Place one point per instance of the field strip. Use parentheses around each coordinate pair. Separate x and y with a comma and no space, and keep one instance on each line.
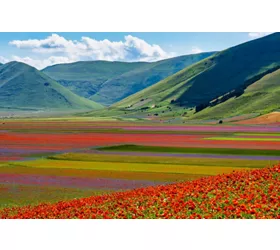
(241,139)
(189,150)
(135,157)
(34,195)
(90,173)
(257,134)
(193,156)
(133,167)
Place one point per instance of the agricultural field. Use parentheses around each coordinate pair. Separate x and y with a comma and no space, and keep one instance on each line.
(56,160)
(243,194)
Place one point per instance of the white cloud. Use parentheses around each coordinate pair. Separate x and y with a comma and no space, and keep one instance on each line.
(131,49)
(3,60)
(40,64)
(196,50)
(254,35)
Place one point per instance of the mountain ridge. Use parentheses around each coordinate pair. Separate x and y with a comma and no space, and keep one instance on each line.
(207,79)
(113,85)
(23,86)
(263,96)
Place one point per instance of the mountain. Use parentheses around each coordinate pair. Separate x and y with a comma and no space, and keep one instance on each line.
(24,87)
(225,74)
(86,78)
(263,96)
(135,80)
(109,82)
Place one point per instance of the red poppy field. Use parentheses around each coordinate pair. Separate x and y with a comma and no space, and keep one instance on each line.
(146,170)
(243,194)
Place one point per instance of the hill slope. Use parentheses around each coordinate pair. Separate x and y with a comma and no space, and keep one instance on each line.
(22,86)
(263,96)
(135,80)
(86,78)
(109,82)
(272,118)
(210,78)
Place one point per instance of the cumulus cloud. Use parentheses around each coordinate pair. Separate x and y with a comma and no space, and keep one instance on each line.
(254,35)
(196,50)
(131,49)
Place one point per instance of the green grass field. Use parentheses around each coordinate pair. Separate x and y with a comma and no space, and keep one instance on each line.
(241,139)
(257,134)
(219,151)
(173,160)
(21,195)
(133,167)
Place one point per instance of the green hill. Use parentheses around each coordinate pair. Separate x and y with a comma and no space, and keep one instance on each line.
(230,70)
(86,78)
(109,82)
(135,80)
(24,87)
(263,96)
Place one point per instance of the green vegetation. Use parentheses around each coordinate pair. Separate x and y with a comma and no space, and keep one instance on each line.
(86,78)
(220,138)
(93,173)
(21,195)
(212,78)
(256,134)
(219,151)
(194,169)
(262,96)
(24,87)
(242,81)
(162,160)
(109,82)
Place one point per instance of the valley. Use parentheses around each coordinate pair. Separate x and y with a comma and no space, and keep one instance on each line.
(191,136)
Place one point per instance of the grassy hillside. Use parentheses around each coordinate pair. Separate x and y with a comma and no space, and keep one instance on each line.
(210,78)
(86,78)
(22,86)
(109,82)
(262,97)
(135,80)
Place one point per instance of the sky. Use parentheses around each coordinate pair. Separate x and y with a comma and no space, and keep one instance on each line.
(45,49)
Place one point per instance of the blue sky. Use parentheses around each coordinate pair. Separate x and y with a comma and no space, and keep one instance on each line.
(45,49)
